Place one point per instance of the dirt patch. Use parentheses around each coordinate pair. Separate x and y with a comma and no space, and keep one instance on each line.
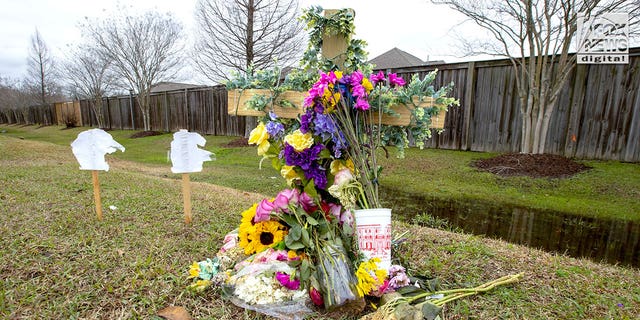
(143,134)
(237,143)
(531,165)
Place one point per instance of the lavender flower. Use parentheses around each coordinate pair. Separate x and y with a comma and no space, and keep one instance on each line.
(275,129)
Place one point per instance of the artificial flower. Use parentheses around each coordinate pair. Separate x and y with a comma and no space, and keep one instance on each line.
(377,77)
(338,165)
(275,129)
(263,147)
(289,174)
(299,141)
(258,134)
(394,80)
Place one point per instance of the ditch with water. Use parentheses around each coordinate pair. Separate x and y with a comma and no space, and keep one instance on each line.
(608,240)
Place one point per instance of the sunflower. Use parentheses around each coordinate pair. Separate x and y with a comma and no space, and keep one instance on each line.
(247,228)
(267,234)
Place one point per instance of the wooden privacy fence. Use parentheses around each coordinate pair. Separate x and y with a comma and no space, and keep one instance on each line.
(200,109)
(597,116)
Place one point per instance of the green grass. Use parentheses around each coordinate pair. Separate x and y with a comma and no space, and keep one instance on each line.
(60,262)
(610,189)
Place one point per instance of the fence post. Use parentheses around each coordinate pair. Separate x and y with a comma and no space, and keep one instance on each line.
(133,122)
(468,105)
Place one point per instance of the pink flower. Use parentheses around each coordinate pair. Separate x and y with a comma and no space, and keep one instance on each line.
(375,78)
(230,242)
(356,78)
(316,297)
(282,200)
(347,217)
(382,289)
(343,176)
(362,104)
(307,202)
(264,210)
(398,278)
(285,281)
(335,209)
(395,80)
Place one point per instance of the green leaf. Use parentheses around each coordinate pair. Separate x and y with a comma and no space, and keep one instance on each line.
(312,221)
(305,270)
(293,244)
(430,311)
(310,189)
(289,220)
(305,238)
(295,232)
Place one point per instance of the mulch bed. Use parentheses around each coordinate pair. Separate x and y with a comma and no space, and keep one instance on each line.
(237,143)
(143,134)
(531,165)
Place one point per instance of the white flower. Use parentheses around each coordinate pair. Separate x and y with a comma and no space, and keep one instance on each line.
(113,208)
(261,289)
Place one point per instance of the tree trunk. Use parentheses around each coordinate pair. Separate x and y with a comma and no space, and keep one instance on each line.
(97,109)
(143,102)
(249,38)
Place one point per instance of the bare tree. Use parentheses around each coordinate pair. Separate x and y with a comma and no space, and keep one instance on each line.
(234,35)
(536,36)
(143,50)
(41,69)
(89,76)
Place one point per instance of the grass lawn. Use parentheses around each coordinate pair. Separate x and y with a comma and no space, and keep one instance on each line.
(611,189)
(59,262)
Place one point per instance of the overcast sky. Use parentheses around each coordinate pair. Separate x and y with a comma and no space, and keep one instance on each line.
(416,26)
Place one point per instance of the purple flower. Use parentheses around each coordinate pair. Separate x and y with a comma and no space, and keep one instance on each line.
(306,120)
(301,159)
(275,129)
(324,126)
(317,173)
(340,144)
(395,80)
(375,78)
(285,281)
(398,277)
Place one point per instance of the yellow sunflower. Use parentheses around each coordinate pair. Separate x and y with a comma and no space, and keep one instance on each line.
(267,234)
(246,229)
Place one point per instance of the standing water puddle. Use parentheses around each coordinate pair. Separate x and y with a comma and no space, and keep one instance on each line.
(612,241)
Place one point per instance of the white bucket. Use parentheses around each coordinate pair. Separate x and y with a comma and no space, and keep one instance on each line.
(373,227)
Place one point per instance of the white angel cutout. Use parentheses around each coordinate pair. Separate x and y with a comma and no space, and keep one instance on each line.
(186,157)
(90,148)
